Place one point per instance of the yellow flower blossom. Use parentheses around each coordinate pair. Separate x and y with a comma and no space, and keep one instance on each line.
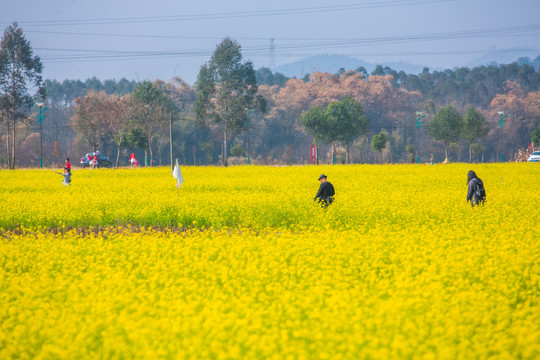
(240,264)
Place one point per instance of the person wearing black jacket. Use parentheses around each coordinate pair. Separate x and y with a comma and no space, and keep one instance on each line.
(326,192)
(472,181)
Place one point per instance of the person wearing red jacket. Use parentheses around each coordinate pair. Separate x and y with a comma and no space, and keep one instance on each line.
(133,160)
(68,166)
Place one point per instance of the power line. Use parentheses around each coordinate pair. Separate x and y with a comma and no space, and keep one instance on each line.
(136,36)
(312,44)
(228,15)
(127,57)
(520,30)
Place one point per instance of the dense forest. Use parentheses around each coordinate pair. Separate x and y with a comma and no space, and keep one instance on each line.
(391,102)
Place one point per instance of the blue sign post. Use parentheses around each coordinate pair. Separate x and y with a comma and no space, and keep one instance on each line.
(40,118)
(419,123)
(247,134)
(501,123)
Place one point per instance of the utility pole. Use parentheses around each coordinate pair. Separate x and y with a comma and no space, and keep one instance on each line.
(40,118)
(419,116)
(170,140)
(247,135)
(501,123)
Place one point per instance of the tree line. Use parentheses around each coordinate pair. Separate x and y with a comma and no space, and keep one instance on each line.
(257,115)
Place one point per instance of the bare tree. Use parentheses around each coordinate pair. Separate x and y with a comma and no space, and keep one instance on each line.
(119,115)
(90,118)
(151,112)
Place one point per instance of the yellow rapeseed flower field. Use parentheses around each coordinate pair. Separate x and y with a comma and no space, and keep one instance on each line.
(240,263)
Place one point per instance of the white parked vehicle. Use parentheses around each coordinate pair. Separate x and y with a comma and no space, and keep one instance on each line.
(535,156)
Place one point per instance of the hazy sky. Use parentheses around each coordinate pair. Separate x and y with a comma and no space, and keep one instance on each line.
(147,40)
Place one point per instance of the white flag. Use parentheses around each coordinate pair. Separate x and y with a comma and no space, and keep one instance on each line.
(178,175)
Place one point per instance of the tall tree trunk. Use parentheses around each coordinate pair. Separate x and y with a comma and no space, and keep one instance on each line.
(470,153)
(8,147)
(13,142)
(348,158)
(117,155)
(225,145)
(225,133)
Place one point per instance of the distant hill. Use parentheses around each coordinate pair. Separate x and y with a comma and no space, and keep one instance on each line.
(332,64)
(506,56)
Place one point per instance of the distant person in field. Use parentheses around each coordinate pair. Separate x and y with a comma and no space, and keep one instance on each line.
(95,161)
(67,176)
(133,160)
(68,165)
(326,192)
(476,193)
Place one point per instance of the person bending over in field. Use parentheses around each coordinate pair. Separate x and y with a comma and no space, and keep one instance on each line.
(476,193)
(67,176)
(326,192)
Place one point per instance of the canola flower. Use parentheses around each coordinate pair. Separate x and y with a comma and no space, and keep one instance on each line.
(241,264)
(259,197)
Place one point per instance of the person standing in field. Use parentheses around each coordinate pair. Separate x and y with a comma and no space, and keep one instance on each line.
(133,160)
(95,161)
(476,193)
(68,165)
(67,177)
(326,192)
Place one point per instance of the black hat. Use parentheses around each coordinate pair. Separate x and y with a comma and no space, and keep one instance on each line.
(322,176)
